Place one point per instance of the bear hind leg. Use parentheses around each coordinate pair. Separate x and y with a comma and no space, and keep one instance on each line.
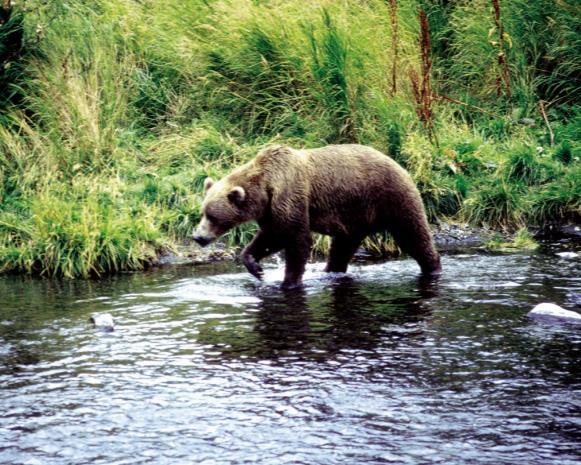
(342,250)
(417,243)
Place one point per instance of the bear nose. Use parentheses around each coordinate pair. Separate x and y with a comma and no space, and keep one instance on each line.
(203,241)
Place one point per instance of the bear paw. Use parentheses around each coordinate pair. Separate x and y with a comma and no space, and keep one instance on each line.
(253,267)
(289,285)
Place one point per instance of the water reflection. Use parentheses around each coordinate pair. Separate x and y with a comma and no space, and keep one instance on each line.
(335,313)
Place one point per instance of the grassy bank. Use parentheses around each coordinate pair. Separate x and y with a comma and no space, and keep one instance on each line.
(112,112)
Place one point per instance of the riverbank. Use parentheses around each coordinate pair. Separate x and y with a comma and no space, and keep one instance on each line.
(449,238)
(113,112)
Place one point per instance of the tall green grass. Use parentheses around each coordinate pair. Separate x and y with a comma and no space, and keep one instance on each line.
(113,112)
(60,235)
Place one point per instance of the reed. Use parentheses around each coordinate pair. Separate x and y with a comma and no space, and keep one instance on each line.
(503,78)
(421,83)
(392,9)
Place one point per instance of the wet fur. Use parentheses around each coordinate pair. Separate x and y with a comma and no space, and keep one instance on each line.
(345,191)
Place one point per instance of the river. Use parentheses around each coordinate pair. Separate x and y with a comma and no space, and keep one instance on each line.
(208,366)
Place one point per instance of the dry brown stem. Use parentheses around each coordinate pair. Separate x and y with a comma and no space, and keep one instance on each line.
(546,119)
(392,5)
(504,76)
(421,85)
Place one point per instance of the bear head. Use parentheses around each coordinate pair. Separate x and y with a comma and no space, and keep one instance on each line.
(225,206)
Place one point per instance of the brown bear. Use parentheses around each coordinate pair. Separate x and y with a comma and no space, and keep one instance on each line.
(344,191)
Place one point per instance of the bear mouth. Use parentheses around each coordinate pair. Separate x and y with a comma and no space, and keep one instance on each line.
(201,240)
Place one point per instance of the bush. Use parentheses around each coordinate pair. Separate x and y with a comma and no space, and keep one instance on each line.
(497,205)
(523,166)
(564,152)
(558,200)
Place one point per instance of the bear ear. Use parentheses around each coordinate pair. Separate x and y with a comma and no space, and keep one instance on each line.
(208,182)
(237,195)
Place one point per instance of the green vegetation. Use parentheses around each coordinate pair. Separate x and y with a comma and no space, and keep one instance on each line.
(112,112)
(522,240)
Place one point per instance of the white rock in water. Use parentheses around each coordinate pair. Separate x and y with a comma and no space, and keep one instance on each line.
(102,321)
(568,254)
(553,312)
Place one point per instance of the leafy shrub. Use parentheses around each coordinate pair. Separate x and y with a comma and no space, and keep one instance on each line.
(558,200)
(564,152)
(498,205)
(523,166)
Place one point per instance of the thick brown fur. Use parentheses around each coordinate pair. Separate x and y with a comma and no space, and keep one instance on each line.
(345,191)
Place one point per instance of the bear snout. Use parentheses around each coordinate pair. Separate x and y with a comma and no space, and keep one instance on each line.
(204,233)
(202,240)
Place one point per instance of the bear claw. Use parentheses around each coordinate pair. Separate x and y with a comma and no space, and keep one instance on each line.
(253,268)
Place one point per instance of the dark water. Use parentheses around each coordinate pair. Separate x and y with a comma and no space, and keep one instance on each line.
(208,367)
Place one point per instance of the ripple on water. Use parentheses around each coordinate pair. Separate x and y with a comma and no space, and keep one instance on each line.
(374,366)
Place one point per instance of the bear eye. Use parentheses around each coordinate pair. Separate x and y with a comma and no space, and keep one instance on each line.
(211,218)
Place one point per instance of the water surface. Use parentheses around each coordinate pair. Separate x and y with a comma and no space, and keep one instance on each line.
(208,366)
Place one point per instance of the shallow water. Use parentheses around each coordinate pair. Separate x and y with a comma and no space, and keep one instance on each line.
(208,366)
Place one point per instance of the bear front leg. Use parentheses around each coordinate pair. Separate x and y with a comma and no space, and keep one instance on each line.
(296,257)
(342,250)
(262,245)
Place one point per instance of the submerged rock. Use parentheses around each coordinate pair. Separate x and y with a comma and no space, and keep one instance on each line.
(554,313)
(103,322)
